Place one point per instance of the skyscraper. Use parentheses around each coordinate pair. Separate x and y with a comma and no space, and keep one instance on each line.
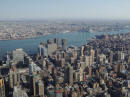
(18,92)
(42,50)
(90,71)
(11,79)
(56,41)
(41,88)
(63,44)
(102,59)
(33,79)
(68,75)
(92,52)
(49,41)
(33,68)
(87,60)
(51,48)
(121,55)
(111,57)
(18,55)
(82,50)
(2,87)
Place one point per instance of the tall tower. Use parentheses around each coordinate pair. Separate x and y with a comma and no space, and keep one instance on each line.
(11,79)
(92,52)
(42,49)
(7,59)
(69,75)
(41,88)
(2,87)
(33,84)
(111,57)
(90,72)
(82,50)
(49,41)
(87,60)
(18,55)
(56,41)
(63,44)
(43,63)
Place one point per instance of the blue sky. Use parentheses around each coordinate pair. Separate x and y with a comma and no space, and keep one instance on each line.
(89,9)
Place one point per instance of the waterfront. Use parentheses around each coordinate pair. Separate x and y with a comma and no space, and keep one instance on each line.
(30,45)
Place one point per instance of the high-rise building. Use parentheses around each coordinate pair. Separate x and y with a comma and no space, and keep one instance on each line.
(33,68)
(68,75)
(102,59)
(122,68)
(82,50)
(128,60)
(33,87)
(92,54)
(18,55)
(48,49)
(2,87)
(116,68)
(56,42)
(49,41)
(11,79)
(111,57)
(81,74)
(62,62)
(43,63)
(51,48)
(42,50)
(76,76)
(88,61)
(8,59)
(15,78)
(50,91)
(90,72)
(58,91)
(18,92)
(121,55)
(63,44)
(40,88)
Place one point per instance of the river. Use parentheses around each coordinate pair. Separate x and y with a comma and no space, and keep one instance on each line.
(30,46)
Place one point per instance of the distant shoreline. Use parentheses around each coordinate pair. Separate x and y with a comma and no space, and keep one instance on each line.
(25,38)
(35,37)
(38,36)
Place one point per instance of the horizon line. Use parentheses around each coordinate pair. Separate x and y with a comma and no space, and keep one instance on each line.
(37,19)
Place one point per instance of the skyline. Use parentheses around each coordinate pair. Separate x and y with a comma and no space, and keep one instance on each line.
(65,9)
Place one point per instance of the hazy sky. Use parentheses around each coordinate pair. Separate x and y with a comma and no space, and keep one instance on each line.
(89,9)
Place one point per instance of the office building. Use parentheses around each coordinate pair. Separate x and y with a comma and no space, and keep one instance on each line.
(33,68)
(11,79)
(51,48)
(40,88)
(68,77)
(92,54)
(63,44)
(56,42)
(18,55)
(18,92)
(42,50)
(2,87)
